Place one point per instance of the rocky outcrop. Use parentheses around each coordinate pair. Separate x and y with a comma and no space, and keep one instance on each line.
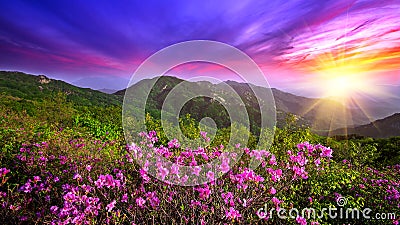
(43,79)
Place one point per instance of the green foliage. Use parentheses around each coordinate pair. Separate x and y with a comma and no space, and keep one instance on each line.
(359,153)
(388,150)
(56,110)
(289,136)
(154,124)
(189,127)
(97,128)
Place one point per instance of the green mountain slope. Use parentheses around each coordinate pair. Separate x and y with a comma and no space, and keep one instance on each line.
(30,87)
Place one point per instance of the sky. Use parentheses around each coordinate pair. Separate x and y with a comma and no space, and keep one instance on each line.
(310,47)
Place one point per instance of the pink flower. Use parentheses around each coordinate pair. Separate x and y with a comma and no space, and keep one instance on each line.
(272,160)
(194,203)
(193,162)
(210,175)
(78,177)
(196,170)
(275,174)
(88,168)
(204,193)
(258,178)
(276,202)
(300,171)
(53,209)
(257,154)
(70,197)
(232,213)
(26,187)
(300,220)
(140,202)
(111,206)
(224,167)
(3,171)
(152,136)
(300,159)
(173,144)
(272,191)
(175,169)
(228,196)
(302,145)
(326,152)
(143,174)
(317,162)
(37,179)
(163,172)
(203,134)
(153,199)
(184,179)
(124,198)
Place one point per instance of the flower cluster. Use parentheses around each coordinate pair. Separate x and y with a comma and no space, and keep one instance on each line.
(100,182)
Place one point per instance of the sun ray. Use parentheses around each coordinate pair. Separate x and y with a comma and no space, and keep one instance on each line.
(366,113)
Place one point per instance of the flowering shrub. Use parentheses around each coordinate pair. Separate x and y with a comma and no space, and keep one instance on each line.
(73,180)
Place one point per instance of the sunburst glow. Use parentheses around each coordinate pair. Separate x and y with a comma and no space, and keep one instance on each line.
(342,82)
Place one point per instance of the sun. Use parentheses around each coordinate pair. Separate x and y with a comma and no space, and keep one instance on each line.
(342,82)
(341,87)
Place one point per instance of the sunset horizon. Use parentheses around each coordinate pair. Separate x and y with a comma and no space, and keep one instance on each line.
(300,48)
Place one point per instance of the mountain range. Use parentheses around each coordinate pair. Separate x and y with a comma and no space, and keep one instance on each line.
(320,114)
(324,116)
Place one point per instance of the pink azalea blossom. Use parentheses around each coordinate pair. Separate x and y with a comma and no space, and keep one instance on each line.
(326,152)
(88,167)
(140,202)
(111,206)
(300,220)
(163,172)
(196,170)
(210,175)
(224,167)
(232,213)
(175,169)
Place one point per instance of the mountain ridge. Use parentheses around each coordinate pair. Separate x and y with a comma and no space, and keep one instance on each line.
(381,128)
(313,112)
(319,114)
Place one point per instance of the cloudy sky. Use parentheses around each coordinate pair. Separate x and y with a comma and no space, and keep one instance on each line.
(302,45)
